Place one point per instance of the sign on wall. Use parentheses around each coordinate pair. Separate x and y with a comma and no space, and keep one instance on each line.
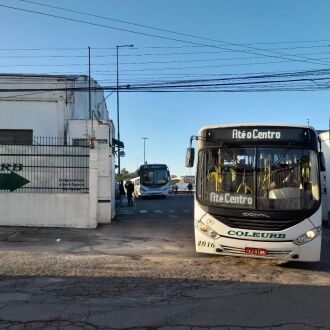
(44,169)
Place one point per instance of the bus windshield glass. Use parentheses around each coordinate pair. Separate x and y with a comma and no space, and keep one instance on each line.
(154,176)
(258,178)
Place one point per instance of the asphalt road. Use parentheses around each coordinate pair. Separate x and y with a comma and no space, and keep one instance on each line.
(141,272)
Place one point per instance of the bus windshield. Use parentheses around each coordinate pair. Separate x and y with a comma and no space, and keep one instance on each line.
(258,178)
(154,177)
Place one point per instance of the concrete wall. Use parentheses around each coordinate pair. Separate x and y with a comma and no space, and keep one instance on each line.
(101,180)
(102,159)
(78,210)
(46,210)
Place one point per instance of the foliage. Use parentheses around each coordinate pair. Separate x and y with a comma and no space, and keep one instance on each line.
(127,175)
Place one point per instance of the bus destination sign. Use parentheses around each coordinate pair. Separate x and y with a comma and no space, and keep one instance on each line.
(256,134)
(154,167)
(231,199)
(259,134)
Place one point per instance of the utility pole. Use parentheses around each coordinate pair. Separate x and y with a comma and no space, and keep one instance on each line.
(89,84)
(144,149)
(118,129)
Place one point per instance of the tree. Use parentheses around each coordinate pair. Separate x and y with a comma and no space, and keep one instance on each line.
(127,175)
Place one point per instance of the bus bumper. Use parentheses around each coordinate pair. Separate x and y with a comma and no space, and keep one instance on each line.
(280,250)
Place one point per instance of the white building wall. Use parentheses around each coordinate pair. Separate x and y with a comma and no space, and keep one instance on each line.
(46,210)
(98,130)
(81,104)
(104,184)
(47,113)
(30,114)
(102,159)
(55,114)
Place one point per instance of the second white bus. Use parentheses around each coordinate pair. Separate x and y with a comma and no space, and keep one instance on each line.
(153,180)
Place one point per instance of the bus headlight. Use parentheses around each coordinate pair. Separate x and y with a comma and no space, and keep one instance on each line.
(308,236)
(207,230)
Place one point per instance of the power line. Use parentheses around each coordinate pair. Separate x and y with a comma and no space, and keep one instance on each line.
(242,44)
(161,30)
(310,75)
(163,47)
(101,25)
(38,49)
(195,67)
(19,95)
(165,30)
(250,82)
(152,54)
(47,56)
(278,55)
(143,63)
(111,73)
(147,75)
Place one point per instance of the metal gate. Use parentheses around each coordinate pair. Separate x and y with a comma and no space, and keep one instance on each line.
(49,165)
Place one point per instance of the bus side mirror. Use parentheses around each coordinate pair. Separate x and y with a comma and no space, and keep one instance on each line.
(190,157)
(322,162)
(138,172)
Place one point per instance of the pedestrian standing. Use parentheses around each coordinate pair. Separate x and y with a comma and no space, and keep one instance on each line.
(122,193)
(176,189)
(189,187)
(130,189)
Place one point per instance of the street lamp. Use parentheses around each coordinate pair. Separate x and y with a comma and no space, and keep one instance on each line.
(118,132)
(144,149)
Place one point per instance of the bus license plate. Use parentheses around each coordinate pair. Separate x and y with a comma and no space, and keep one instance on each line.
(259,252)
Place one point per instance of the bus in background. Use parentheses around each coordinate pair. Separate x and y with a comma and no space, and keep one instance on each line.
(154,180)
(258,191)
(136,182)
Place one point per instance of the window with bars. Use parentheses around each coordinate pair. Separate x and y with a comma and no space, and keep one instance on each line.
(16,136)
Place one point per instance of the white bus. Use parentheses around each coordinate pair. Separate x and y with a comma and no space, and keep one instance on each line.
(136,183)
(258,191)
(153,180)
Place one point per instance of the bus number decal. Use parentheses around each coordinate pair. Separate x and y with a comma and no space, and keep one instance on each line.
(206,244)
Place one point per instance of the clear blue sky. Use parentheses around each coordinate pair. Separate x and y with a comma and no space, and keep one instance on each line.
(293,30)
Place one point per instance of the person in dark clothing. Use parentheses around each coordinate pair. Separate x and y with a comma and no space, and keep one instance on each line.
(190,187)
(129,189)
(122,193)
(176,188)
